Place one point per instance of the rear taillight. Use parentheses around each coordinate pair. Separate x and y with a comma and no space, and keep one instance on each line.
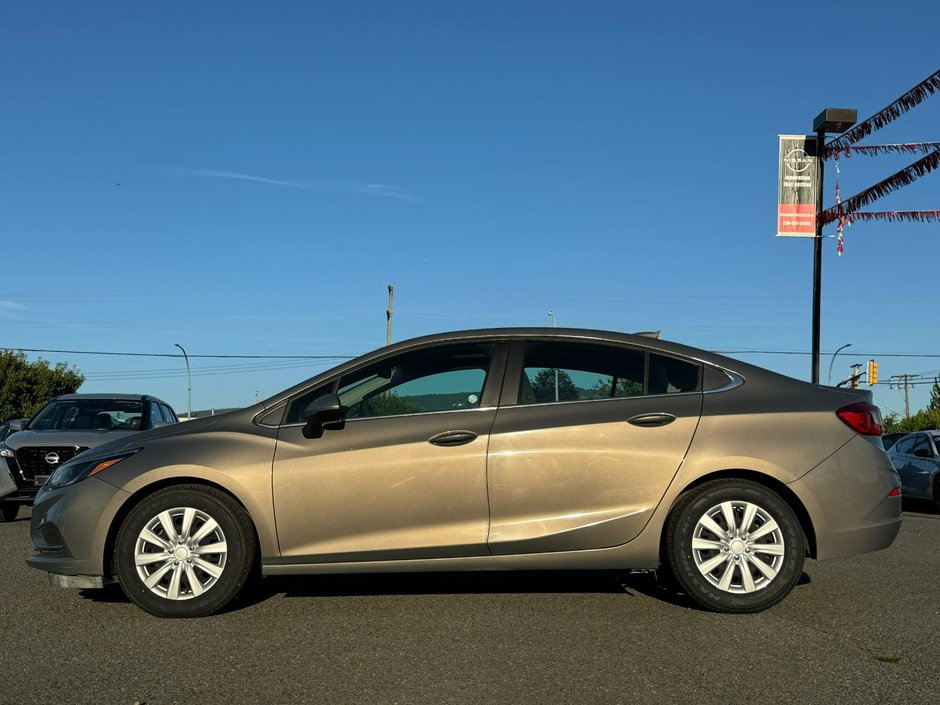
(862,418)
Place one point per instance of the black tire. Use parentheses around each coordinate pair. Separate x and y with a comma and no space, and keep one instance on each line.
(200,574)
(8,511)
(728,573)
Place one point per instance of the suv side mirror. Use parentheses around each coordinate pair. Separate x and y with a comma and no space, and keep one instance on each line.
(18,425)
(323,413)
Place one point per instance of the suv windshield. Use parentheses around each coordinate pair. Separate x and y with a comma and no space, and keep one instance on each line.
(85,414)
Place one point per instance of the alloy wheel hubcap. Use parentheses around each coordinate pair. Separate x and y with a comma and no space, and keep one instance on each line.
(180,553)
(738,547)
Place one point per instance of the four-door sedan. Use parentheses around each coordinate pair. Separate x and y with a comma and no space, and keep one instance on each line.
(917,459)
(486,450)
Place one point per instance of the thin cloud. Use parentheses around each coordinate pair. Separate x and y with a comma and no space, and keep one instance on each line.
(381,190)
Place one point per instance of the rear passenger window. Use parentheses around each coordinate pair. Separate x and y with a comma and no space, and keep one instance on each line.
(556,372)
(670,376)
(564,372)
(714,379)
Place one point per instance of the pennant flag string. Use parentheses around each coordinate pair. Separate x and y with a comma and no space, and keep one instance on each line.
(902,178)
(914,97)
(881,149)
(893,216)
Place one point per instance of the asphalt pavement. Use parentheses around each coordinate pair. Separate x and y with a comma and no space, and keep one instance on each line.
(855,630)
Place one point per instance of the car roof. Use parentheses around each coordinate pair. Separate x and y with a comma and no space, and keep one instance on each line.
(110,397)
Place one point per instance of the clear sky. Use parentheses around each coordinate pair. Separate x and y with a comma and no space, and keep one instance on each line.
(247,178)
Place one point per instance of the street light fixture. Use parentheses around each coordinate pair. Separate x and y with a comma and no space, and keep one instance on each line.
(189,376)
(829,382)
(830,120)
(555,325)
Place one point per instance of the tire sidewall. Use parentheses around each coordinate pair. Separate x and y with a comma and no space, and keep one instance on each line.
(682,562)
(239,556)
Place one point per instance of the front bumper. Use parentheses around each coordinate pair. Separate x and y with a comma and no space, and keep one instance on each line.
(70,526)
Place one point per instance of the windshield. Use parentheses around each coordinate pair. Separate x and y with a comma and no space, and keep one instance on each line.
(88,414)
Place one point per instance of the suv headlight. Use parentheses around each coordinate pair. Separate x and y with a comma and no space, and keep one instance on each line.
(6,451)
(76,470)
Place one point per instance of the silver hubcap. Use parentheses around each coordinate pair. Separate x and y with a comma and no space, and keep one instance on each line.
(738,547)
(180,553)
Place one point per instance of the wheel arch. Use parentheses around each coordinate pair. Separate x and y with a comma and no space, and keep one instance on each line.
(142,494)
(771,483)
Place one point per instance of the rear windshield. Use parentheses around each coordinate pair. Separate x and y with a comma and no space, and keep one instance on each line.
(88,414)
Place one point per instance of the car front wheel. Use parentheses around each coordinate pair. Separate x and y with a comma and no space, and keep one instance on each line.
(185,551)
(735,546)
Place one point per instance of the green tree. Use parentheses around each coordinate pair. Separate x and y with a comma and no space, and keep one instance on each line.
(25,386)
(924,420)
(935,395)
(544,385)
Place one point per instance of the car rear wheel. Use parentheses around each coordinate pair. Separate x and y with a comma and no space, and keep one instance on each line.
(185,551)
(735,546)
(8,511)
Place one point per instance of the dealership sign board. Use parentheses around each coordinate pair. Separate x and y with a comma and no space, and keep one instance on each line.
(796,199)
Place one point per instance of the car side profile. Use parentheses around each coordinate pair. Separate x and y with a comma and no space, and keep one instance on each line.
(916,457)
(499,449)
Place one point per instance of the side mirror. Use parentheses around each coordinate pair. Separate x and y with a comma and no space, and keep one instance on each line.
(18,425)
(323,413)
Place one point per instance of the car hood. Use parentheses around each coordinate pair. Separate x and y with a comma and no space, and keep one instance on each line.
(86,439)
(141,438)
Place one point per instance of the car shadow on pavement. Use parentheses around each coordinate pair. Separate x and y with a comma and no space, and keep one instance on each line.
(631,584)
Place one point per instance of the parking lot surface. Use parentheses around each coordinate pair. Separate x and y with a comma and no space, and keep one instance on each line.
(856,630)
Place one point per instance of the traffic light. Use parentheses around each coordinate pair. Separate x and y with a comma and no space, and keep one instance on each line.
(856,374)
(872,373)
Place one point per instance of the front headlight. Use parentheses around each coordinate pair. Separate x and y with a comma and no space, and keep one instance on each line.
(75,470)
(6,451)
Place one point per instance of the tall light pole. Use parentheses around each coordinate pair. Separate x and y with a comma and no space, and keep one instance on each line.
(189,376)
(830,120)
(555,325)
(829,382)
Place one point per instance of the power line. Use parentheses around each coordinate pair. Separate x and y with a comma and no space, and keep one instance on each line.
(176,355)
(350,357)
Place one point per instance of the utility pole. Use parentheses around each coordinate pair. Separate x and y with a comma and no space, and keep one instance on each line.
(905,381)
(388,314)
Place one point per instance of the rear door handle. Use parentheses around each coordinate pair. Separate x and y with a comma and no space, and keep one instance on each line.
(647,420)
(452,438)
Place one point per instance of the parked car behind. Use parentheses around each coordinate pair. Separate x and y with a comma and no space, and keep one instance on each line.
(67,426)
(917,459)
(11,426)
(485,450)
(889,439)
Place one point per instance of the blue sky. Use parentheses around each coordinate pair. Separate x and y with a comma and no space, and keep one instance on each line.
(247,178)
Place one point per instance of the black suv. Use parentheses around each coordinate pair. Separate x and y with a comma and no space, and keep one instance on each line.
(65,427)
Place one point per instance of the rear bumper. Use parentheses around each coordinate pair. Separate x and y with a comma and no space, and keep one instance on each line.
(847,498)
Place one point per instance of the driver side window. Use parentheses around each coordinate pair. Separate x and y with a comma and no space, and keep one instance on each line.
(442,379)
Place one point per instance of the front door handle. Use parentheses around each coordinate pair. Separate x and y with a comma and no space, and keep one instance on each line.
(648,420)
(452,438)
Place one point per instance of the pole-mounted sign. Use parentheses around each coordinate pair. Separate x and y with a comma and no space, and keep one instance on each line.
(796,199)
